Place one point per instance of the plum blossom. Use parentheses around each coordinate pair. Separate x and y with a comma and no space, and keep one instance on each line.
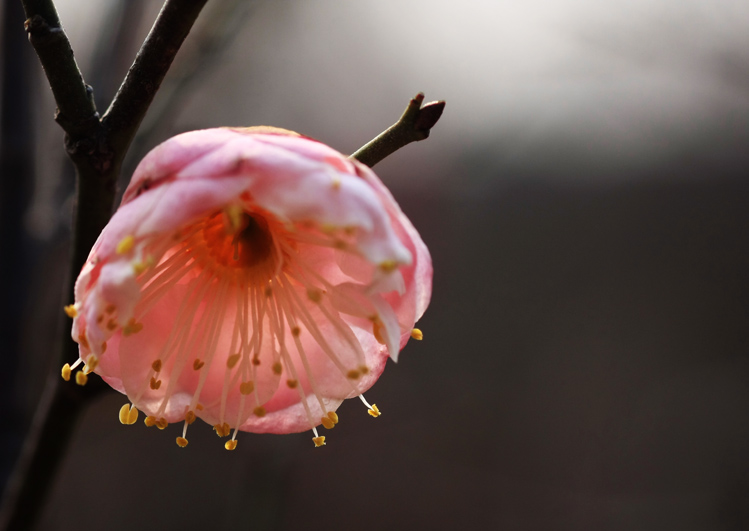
(253,278)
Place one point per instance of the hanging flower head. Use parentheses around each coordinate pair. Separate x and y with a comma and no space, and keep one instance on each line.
(253,278)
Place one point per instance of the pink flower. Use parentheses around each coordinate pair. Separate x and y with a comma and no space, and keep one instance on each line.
(252,278)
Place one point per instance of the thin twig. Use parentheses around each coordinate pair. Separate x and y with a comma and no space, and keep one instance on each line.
(414,125)
(145,76)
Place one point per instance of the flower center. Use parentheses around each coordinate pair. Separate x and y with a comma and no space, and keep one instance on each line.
(240,240)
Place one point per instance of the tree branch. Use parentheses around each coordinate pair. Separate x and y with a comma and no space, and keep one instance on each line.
(96,147)
(76,112)
(414,125)
(145,76)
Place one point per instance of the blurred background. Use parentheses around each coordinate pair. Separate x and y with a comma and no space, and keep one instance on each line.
(586,354)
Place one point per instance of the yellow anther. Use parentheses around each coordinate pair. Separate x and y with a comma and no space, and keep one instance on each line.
(83,341)
(162,423)
(340,244)
(388,266)
(291,384)
(81,378)
(139,267)
(319,441)
(378,329)
(374,411)
(268,291)
(232,360)
(70,311)
(197,364)
(110,308)
(181,442)
(417,334)
(66,372)
(199,407)
(156,366)
(256,361)
(128,414)
(132,327)
(364,369)
(222,430)
(315,295)
(100,318)
(155,384)
(149,421)
(111,324)
(327,422)
(259,411)
(246,388)
(277,368)
(296,331)
(231,444)
(125,245)
(335,183)
(332,415)
(233,218)
(190,417)
(91,363)
(103,347)
(353,374)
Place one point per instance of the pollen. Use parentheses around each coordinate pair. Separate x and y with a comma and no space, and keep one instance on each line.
(291,384)
(128,414)
(231,444)
(332,415)
(66,370)
(222,430)
(315,295)
(81,378)
(277,368)
(232,360)
(259,411)
(162,423)
(377,330)
(388,266)
(71,311)
(296,331)
(197,364)
(374,411)
(327,422)
(246,388)
(149,421)
(132,327)
(181,442)
(353,375)
(125,245)
(155,384)
(319,441)
(417,334)
(190,417)
(156,366)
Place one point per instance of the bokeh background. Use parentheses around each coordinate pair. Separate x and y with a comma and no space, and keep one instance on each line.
(586,354)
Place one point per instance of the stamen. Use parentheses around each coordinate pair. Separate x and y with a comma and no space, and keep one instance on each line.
(66,370)
(190,417)
(388,266)
(125,244)
(231,444)
(373,410)
(181,442)
(156,366)
(162,423)
(71,311)
(149,421)
(128,414)
(81,378)
(417,334)
(155,384)
(222,430)
(327,422)
(197,364)
(319,440)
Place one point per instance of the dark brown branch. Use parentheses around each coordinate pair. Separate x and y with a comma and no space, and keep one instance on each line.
(76,112)
(96,147)
(414,125)
(145,76)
